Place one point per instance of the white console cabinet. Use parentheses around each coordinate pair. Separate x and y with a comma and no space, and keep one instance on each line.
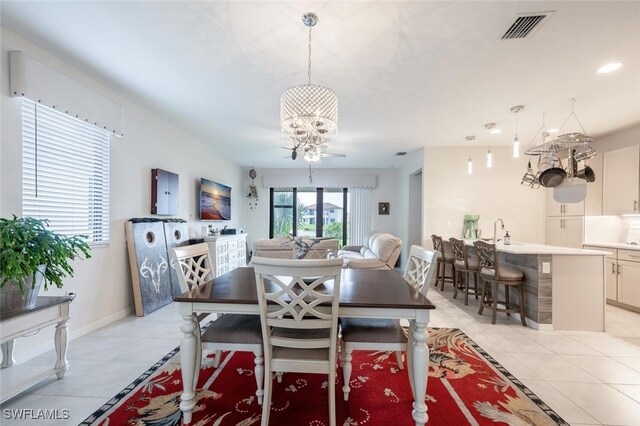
(228,252)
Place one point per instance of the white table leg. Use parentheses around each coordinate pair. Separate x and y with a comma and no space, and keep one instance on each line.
(409,352)
(7,354)
(61,341)
(420,367)
(189,364)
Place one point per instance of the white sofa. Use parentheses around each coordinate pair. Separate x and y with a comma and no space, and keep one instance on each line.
(381,252)
(284,248)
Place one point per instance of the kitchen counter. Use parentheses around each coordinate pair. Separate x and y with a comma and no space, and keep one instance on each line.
(564,287)
(517,247)
(623,246)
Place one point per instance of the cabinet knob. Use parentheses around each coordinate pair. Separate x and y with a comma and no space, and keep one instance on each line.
(635,205)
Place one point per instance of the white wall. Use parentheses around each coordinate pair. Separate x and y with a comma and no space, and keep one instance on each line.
(257,221)
(103,283)
(413,163)
(450,193)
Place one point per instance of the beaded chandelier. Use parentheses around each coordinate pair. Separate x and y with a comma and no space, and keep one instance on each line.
(308,112)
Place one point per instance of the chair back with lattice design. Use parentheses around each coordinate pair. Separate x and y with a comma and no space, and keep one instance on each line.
(460,251)
(298,294)
(193,264)
(419,272)
(487,255)
(437,244)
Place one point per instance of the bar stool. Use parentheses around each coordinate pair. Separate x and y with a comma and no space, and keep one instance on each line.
(492,272)
(443,261)
(464,266)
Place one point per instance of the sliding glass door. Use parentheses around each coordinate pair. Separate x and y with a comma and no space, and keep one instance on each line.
(335,216)
(318,212)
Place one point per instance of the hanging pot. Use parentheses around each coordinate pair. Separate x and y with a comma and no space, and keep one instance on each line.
(587,174)
(530,178)
(551,172)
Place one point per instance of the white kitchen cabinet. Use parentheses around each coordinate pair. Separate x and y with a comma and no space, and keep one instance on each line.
(621,181)
(565,222)
(629,283)
(563,209)
(555,234)
(611,277)
(565,231)
(622,277)
(228,252)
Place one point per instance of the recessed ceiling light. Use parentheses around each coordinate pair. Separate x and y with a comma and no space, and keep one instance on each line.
(495,131)
(553,130)
(609,67)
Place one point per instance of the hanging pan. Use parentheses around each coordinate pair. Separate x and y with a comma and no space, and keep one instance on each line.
(552,173)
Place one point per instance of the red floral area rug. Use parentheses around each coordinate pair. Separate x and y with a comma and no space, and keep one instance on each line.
(466,386)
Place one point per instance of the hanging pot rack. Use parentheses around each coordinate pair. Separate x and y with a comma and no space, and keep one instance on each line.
(563,142)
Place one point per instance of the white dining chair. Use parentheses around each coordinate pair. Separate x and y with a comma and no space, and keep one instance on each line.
(228,332)
(387,334)
(299,312)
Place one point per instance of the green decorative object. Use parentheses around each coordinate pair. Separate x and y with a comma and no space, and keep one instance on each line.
(470,226)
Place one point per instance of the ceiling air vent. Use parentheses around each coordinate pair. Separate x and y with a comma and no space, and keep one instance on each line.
(525,24)
(401,153)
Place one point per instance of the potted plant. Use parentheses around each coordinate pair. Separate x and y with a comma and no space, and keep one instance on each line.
(31,254)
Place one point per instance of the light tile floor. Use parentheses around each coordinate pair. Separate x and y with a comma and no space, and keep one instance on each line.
(588,378)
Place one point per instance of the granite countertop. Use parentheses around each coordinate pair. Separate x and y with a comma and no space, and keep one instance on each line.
(517,247)
(624,246)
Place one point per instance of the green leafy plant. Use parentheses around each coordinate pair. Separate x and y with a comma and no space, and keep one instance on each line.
(26,243)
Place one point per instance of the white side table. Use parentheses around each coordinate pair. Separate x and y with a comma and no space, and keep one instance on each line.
(49,310)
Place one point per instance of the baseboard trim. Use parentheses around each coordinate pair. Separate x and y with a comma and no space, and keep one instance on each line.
(623,305)
(74,334)
(532,324)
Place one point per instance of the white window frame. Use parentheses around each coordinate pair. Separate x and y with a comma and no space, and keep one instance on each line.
(65,173)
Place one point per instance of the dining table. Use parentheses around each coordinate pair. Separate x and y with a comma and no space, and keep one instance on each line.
(363,294)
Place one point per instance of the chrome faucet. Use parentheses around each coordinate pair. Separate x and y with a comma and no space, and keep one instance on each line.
(495,228)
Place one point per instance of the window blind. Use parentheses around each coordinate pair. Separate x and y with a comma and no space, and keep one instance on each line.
(65,173)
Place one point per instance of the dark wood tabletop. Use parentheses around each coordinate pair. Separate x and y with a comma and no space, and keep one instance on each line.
(358,288)
(42,303)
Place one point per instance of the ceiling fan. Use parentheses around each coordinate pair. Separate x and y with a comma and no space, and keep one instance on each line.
(311,152)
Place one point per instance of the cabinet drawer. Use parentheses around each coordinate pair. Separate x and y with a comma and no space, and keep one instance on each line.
(630,255)
(233,245)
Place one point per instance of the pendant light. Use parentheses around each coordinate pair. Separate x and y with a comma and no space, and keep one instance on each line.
(516,142)
(489,158)
(470,138)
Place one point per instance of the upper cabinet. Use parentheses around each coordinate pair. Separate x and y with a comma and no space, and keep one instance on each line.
(565,222)
(621,181)
(164,192)
(563,209)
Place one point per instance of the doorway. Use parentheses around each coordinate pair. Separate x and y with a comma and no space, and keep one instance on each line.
(415,208)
